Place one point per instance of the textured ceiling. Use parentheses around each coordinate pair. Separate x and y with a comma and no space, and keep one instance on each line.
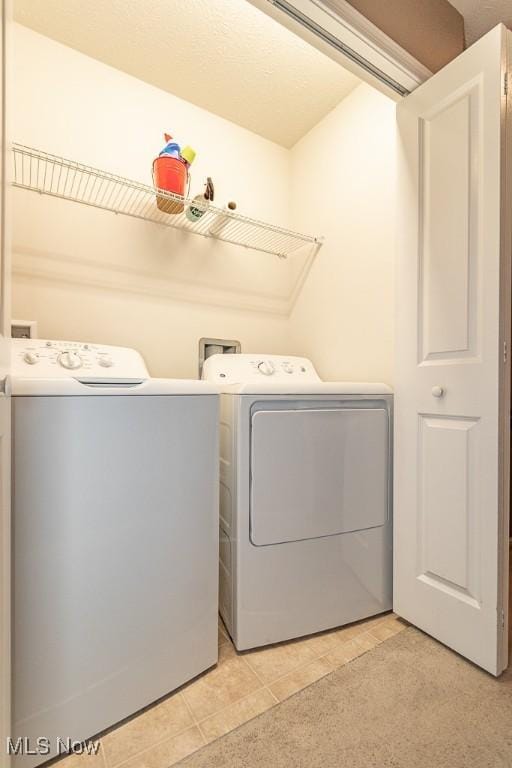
(223,55)
(482,15)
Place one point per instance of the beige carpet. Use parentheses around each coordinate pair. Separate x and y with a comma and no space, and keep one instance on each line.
(410,703)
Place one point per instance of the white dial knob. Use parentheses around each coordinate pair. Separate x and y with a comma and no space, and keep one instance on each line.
(31,358)
(266,368)
(70,360)
(437,391)
(105,362)
(287,367)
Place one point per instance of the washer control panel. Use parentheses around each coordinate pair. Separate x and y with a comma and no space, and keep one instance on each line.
(43,358)
(238,369)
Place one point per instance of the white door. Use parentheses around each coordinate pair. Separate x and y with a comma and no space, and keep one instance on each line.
(452,373)
(5,410)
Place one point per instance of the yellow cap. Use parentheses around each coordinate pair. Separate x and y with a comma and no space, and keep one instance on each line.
(188,154)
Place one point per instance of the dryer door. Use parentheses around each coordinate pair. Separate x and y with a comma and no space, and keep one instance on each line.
(317,472)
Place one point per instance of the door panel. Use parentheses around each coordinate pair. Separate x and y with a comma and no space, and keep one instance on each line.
(317,473)
(452,389)
(448,480)
(449,142)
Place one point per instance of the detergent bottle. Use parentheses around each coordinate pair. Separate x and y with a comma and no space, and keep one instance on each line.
(171,149)
(200,203)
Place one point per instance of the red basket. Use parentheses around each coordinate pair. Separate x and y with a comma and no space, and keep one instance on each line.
(170,175)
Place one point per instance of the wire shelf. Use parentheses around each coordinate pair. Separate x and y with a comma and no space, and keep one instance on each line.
(51,175)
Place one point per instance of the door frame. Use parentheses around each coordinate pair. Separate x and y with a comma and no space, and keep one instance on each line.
(5,407)
(505,370)
(346,36)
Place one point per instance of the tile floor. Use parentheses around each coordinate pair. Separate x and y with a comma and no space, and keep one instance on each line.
(240,687)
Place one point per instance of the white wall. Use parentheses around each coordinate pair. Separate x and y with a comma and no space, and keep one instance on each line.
(166,332)
(89,275)
(343,182)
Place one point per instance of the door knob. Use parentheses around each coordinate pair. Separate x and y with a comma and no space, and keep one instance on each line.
(437,391)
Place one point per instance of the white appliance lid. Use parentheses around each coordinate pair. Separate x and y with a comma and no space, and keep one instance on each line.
(33,387)
(321,388)
(278,374)
(48,367)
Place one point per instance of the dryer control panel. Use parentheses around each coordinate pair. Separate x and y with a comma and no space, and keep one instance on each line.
(44,358)
(236,369)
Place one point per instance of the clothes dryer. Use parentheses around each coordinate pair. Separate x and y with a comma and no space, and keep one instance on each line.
(305,498)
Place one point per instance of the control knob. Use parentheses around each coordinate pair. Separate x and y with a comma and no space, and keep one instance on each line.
(105,362)
(266,368)
(70,360)
(31,358)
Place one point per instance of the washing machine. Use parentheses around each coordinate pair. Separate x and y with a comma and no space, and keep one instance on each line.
(115,538)
(305,498)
